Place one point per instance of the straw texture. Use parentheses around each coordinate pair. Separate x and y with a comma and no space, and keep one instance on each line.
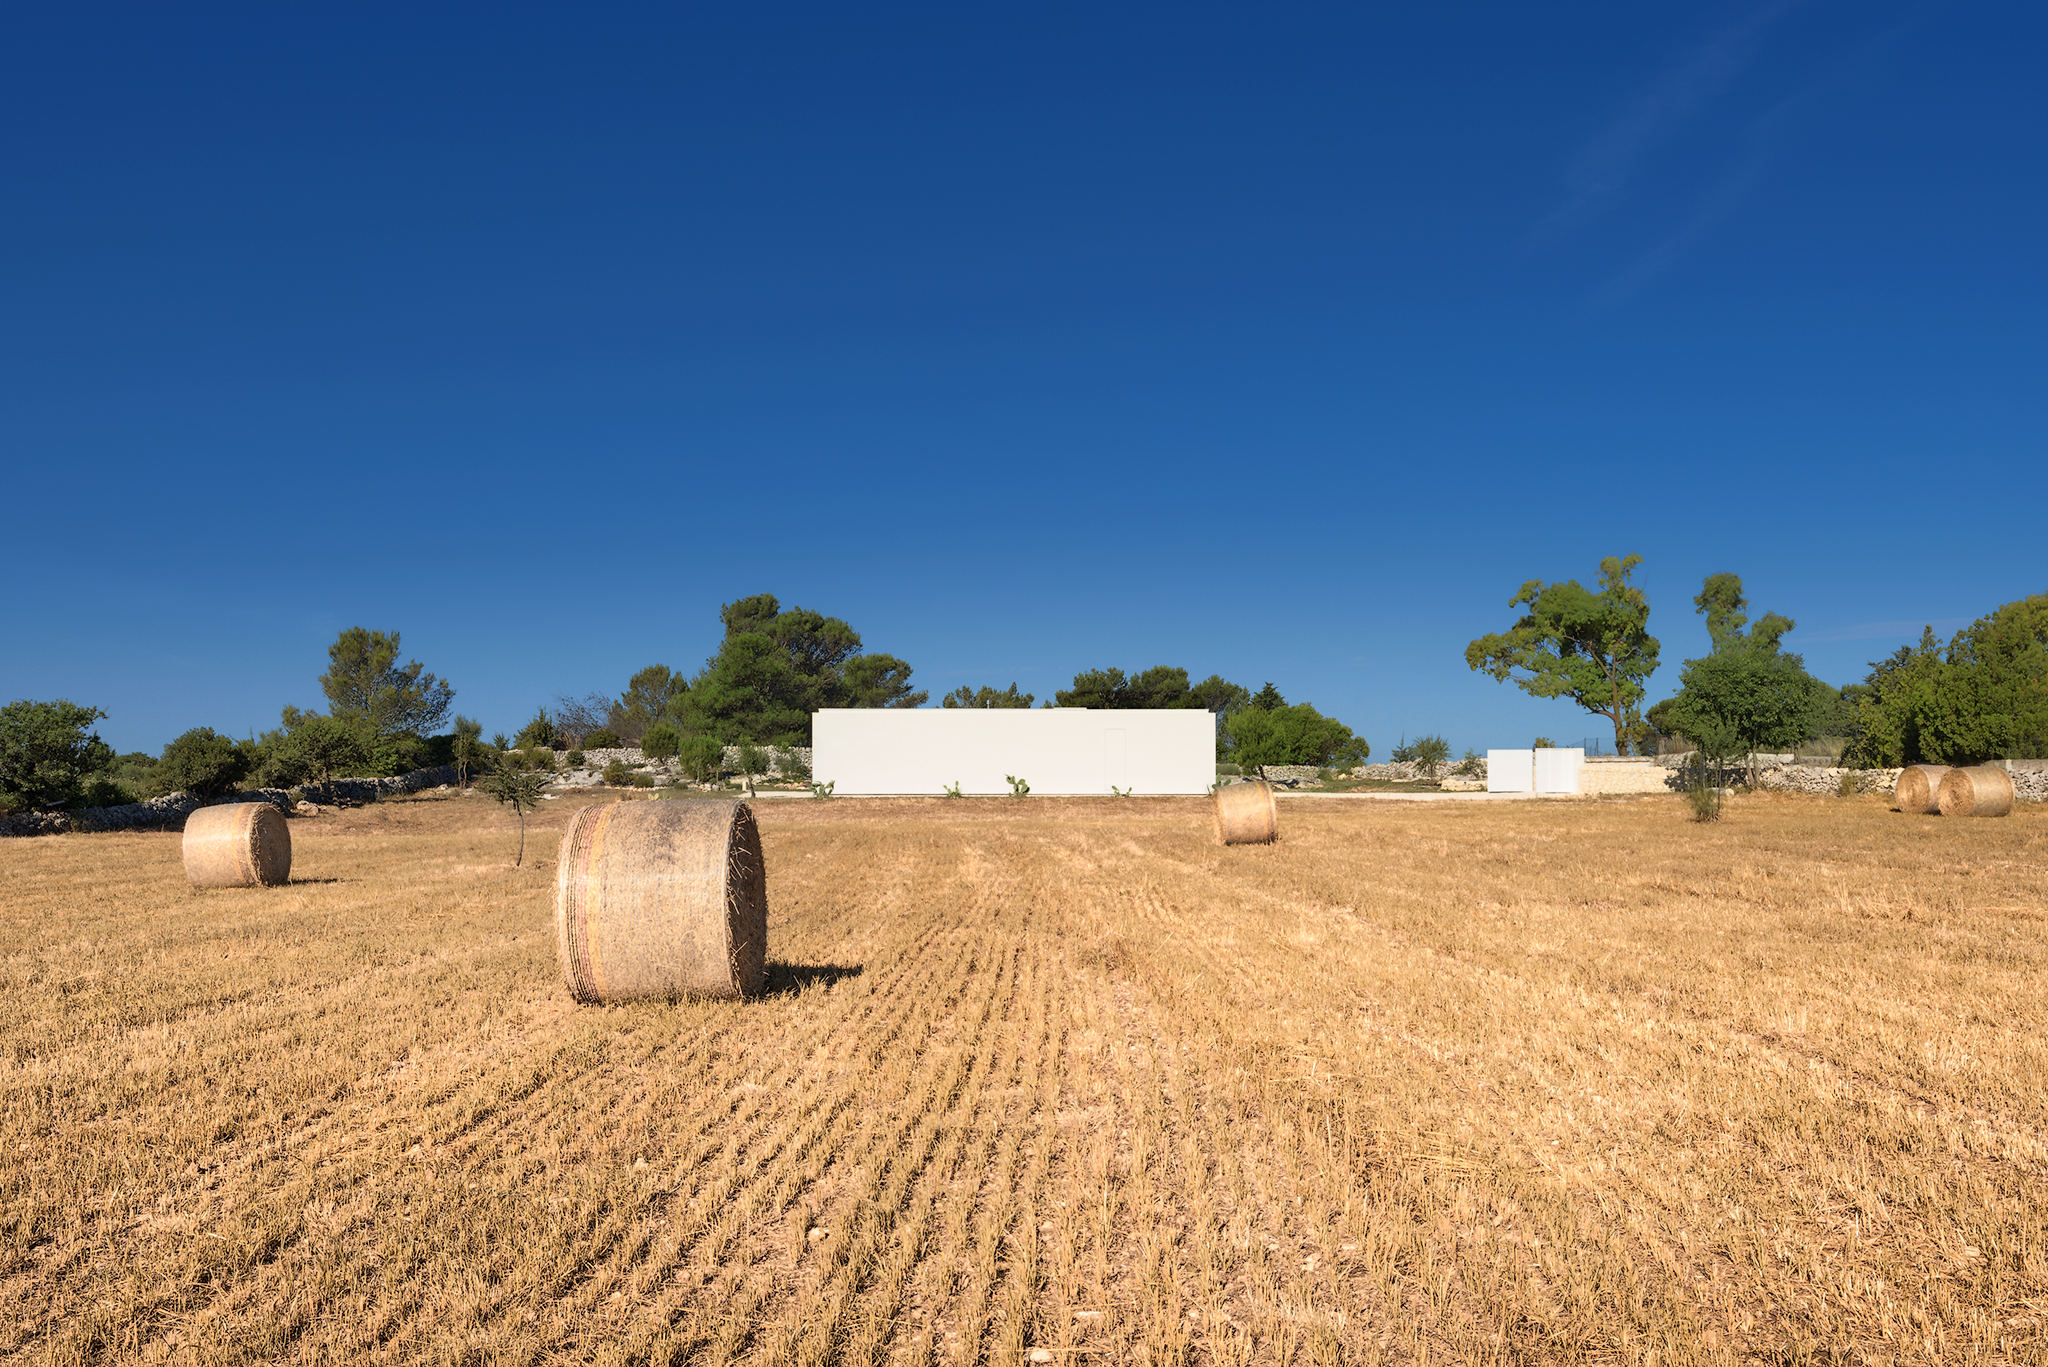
(237,845)
(1979,791)
(1246,814)
(659,900)
(1917,787)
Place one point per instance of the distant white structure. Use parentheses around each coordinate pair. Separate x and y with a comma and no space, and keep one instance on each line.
(1534,771)
(1510,771)
(1059,751)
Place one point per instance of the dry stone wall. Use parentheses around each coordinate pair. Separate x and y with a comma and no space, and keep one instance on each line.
(168,813)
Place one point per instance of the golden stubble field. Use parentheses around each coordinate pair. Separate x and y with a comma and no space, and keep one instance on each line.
(1525,1082)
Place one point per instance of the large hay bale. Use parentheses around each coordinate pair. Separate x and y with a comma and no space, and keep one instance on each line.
(1978,791)
(1917,787)
(662,900)
(237,845)
(1246,814)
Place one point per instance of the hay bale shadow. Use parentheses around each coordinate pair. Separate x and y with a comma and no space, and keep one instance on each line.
(786,980)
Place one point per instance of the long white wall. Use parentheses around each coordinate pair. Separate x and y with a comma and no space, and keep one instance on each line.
(1057,750)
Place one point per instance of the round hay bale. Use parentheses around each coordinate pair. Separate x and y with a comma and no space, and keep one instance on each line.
(660,900)
(1978,791)
(1246,814)
(238,845)
(1918,783)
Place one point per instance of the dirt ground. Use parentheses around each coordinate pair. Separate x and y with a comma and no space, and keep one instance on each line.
(1513,1082)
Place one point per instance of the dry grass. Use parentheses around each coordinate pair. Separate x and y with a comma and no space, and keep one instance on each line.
(1499,1083)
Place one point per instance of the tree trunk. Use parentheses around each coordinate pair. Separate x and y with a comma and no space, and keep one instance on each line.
(522,836)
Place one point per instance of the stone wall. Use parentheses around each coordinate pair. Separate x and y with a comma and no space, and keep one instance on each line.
(168,813)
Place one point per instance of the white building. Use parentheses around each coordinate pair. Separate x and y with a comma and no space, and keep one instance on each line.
(1057,750)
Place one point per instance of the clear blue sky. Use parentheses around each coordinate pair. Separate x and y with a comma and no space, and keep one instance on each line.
(1280,342)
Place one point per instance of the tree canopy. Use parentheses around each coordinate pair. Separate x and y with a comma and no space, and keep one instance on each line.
(1746,693)
(1292,735)
(775,668)
(986,697)
(649,696)
(201,762)
(1984,697)
(1158,687)
(367,687)
(47,751)
(1594,648)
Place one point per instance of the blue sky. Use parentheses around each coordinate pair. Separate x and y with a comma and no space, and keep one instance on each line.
(1284,344)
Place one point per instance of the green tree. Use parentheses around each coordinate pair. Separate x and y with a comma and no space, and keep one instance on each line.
(539,731)
(775,668)
(518,788)
(650,695)
(1424,752)
(311,748)
(468,748)
(702,758)
(48,751)
(201,762)
(367,687)
(661,741)
(986,697)
(1292,735)
(1985,697)
(1747,691)
(1764,699)
(1161,686)
(1268,697)
(1594,648)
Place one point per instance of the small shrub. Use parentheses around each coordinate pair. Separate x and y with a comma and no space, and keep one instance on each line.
(643,780)
(953,791)
(602,739)
(1703,792)
(615,774)
(824,789)
(1424,752)
(202,763)
(662,741)
(1543,743)
(1018,787)
(1847,787)
(752,759)
(102,791)
(794,770)
(538,732)
(538,757)
(575,759)
(702,758)
(1229,769)
(1472,765)
(1113,790)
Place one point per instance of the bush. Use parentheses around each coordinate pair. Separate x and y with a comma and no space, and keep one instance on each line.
(1292,735)
(1424,752)
(702,758)
(575,759)
(539,731)
(643,780)
(313,749)
(201,762)
(538,757)
(615,773)
(101,790)
(752,758)
(794,770)
(46,752)
(661,741)
(601,739)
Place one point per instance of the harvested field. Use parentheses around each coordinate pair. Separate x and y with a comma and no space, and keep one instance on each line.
(1510,1082)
